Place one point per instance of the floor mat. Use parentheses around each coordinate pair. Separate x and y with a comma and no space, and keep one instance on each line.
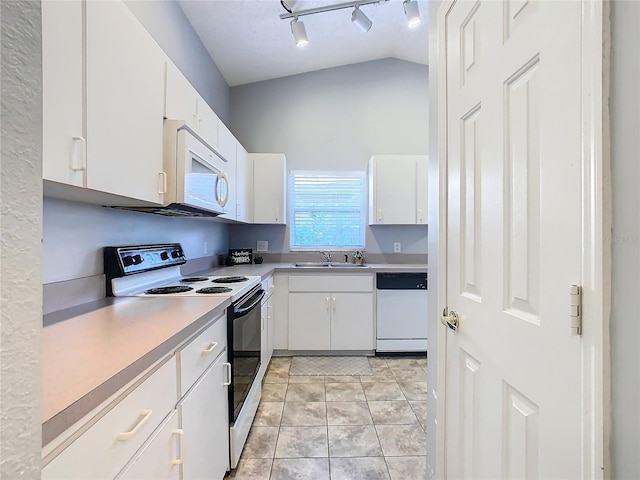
(315,365)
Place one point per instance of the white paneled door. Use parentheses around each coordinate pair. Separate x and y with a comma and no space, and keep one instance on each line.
(514,238)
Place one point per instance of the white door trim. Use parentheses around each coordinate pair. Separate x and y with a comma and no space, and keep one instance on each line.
(596,264)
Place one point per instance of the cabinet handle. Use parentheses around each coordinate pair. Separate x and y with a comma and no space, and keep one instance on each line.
(180,459)
(228,381)
(210,349)
(333,302)
(327,303)
(380,215)
(145,414)
(277,214)
(79,143)
(162,183)
(420,220)
(195,121)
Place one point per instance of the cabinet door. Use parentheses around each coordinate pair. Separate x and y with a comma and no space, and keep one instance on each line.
(208,121)
(160,459)
(422,188)
(352,321)
(125,102)
(270,327)
(205,422)
(309,325)
(227,148)
(394,189)
(244,186)
(181,99)
(63,145)
(269,188)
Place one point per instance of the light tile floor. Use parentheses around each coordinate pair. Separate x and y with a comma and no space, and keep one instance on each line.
(340,428)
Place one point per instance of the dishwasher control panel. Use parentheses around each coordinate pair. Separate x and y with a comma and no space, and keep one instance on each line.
(401,281)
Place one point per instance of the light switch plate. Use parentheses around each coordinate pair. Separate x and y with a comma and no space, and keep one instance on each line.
(263,246)
(397,247)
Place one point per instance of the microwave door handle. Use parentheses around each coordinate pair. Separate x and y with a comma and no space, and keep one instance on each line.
(222,177)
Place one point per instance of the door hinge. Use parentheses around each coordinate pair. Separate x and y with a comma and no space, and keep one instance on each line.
(575,314)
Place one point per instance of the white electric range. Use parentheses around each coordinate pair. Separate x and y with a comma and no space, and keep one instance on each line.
(154,270)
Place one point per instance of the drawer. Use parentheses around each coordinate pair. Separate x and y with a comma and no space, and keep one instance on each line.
(331,283)
(200,353)
(104,449)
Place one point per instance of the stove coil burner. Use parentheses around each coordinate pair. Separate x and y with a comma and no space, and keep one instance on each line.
(214,290)
(168,290)
(229,279)
(194,279)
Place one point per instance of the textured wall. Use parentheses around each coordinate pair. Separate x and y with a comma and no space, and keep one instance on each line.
(334,120)
(168,25)
(625,169)
(20,224)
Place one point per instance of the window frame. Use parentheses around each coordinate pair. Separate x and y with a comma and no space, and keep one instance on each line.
(362,175)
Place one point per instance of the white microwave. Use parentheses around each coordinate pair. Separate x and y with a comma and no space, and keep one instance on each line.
(196,183)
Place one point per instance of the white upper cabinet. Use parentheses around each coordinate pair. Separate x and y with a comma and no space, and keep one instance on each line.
(244,185)
(397,189)
(125,92)
(269,187)
(63,142)
(227,148)
(102,115)
(182,102)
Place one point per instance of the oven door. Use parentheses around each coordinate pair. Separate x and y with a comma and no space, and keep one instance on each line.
(244,344)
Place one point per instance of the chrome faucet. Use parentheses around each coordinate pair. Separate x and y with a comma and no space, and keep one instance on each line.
(327,256)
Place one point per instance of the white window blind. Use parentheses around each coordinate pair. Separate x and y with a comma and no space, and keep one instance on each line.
(327,210)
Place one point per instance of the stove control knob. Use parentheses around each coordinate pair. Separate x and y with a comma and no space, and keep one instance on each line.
(176,254)
(137,259)
(164,256)
(127,261)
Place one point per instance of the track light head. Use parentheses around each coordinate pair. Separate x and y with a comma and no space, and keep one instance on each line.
(412,12)
(360,20)
(299,32)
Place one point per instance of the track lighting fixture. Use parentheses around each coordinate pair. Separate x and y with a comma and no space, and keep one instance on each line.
(360,20)
(358,17)
(299,32)
(412,12)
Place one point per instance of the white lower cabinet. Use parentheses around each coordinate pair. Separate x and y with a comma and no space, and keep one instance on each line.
(107,446)
(331,313)
(205,422)
(161,457)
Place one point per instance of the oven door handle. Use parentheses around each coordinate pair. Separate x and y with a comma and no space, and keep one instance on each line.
(239,310)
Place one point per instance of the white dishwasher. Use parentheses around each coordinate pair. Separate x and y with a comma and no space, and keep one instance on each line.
(401,312)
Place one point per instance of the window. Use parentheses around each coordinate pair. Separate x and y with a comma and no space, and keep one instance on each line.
(327,210)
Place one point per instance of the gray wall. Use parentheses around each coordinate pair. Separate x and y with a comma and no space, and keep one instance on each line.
(625,165)
(20,216)
(168,25)
(335,119)
(77,232)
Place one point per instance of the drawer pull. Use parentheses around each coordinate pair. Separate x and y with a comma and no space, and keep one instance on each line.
(180,459)
(228,381)
(145,414)
(210,349)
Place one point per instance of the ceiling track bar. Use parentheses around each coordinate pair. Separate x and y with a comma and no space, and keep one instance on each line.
(329,8)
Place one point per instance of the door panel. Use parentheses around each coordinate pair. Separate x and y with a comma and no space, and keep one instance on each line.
(513,147)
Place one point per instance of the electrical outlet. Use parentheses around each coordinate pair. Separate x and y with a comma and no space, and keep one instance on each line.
(397,247)
(263,246)
(205,248)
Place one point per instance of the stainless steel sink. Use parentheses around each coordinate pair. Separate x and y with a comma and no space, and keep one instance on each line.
(327,264)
